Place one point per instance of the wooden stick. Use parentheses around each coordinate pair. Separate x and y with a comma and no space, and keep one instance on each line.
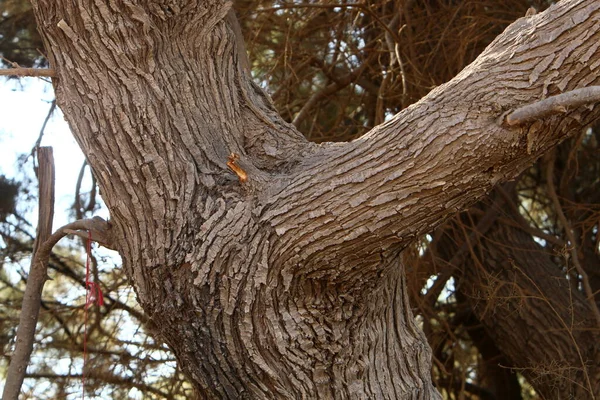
(35,72)
(32,298)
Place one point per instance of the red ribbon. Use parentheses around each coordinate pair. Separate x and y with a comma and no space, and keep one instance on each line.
(93,295)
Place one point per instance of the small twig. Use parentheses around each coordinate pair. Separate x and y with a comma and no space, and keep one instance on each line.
(518,221)
(363,7)
(337,73)
(80,208)
(77,205)
(402,73)
(35,72)
(394,49)
(483,226)
(554,105)
(316,96)
(585,282)
(48,116)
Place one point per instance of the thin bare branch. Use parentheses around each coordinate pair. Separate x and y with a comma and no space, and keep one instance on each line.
(326,91)
(41,135)
(104,376)
(554,105)
(589,293)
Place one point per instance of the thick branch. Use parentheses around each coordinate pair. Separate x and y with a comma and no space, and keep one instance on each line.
(436,157)
(158,105)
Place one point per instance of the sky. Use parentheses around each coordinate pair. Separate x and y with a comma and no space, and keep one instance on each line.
(24,104)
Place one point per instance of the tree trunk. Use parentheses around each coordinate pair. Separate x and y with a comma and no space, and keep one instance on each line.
(272,272)
(539,321)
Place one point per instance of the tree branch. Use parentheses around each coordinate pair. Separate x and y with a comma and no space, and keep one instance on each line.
(105,377)
(34,72)
(101,232)
(558,104)
(37,278)
(339,84)
(438,156)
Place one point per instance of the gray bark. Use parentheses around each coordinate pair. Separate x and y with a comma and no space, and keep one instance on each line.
(287,285)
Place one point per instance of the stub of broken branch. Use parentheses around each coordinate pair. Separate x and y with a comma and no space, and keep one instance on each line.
(554,105)
(34,72)
(233,165)
(99,228)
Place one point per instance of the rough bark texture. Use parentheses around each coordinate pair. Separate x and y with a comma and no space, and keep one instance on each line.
(288,285)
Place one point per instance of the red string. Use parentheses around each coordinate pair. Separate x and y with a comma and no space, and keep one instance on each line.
(93,294)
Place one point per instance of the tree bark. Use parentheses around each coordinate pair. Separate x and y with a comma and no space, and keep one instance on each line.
(286,284)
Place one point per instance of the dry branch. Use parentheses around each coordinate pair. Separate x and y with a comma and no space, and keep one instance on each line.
(585,281)
(35,283)
(554,105)
(33,72)
(32,298)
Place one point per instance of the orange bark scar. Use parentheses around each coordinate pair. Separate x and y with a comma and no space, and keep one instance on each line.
(232,164)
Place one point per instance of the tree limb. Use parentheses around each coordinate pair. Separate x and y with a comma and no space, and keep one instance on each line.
(38,273)
(554,105)
(439,155)
(100,228)
(37,278)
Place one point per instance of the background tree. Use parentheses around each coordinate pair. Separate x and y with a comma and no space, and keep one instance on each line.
(488,282)
(19,40)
